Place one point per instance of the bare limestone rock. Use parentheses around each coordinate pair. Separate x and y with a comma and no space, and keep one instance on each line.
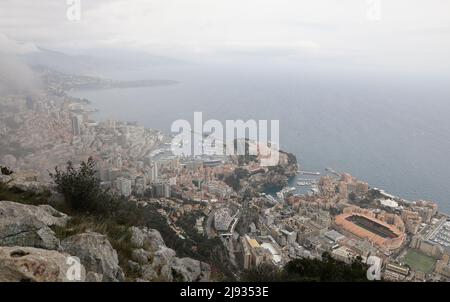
(137,237)
(96,254)
(154,261)
(38,265)
(28,225)
(146,238)
(191,270)
(141,256)
(162,263)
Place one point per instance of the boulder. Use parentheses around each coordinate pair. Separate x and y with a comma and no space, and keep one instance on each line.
(137,237)
(43,213)
(28,225)
(27,185)
(159,263)
(148,273)
(154,240)
(141,256)
(162,263)
(52,217)
(191,270)
(96,254)
(38,265)
(148,239)
(134,267)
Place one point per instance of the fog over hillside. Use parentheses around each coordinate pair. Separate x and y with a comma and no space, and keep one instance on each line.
(15,75)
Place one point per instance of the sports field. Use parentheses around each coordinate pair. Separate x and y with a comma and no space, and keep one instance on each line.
(419,262)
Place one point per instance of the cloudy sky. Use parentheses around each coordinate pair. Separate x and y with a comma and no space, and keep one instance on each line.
(399,32)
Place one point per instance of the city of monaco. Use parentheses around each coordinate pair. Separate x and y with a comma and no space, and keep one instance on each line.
(225,149)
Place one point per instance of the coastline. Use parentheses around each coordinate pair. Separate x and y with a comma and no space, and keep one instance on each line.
(291,181)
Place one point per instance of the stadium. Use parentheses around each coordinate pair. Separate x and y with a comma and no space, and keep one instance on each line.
(384,235)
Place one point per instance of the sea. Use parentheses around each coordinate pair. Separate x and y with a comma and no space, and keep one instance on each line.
(392,131)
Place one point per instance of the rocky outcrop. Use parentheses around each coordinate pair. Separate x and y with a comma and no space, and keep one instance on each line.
(28,225)
(191,270)
(275,178)
(146,238)
(96,254)
(271,180)
(38,265)
(152,260)
(159,268)
(26,181)
(30,251)
(289,164)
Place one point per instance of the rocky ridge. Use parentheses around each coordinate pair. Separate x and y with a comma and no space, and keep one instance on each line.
(31,251)
(152,260)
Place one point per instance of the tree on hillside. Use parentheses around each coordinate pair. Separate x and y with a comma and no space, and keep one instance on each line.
(81,188)
(327,269)
(263,273)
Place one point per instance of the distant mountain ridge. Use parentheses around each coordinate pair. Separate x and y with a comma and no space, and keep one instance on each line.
(93,64)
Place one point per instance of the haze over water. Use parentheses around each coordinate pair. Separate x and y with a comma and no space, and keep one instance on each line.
(393,132)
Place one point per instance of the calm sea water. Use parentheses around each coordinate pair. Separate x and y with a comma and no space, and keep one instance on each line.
(394,134)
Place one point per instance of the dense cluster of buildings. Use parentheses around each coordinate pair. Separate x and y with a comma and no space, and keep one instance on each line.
(347,219)
(341,216)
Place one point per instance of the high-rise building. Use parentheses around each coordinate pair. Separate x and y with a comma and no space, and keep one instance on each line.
(154,172)
(118,162)
(140,185)
(161,189)
(158,189)
(111,124)
(77,121)
(123,186)
(167,190)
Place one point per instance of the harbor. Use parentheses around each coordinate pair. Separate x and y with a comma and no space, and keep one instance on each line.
(306,183)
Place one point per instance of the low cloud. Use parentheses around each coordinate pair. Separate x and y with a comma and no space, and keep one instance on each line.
(15,75)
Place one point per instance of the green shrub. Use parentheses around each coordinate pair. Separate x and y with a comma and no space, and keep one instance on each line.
(310,270)
(82,190)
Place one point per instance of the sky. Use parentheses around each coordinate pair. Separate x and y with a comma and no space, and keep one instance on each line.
(385,33)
